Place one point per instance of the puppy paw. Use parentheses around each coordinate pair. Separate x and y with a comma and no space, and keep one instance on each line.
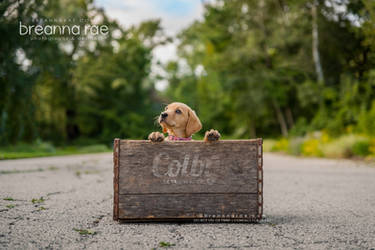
(212,135)
(156,137)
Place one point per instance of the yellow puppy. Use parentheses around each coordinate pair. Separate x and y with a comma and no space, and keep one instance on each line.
(180,122)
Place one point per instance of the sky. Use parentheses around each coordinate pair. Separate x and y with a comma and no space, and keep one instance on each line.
(174,14)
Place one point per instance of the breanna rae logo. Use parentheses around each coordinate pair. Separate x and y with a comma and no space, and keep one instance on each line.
(64,30)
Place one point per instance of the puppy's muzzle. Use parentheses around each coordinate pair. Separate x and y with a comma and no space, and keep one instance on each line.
(163,116)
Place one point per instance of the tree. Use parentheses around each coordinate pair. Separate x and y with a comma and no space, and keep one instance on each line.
(45,92)
(116,89)
(263,65)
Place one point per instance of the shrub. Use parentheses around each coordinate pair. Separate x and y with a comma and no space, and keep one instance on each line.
(366,121)
(268,145)
(295,146)
(281,145)
(372,147)
(94,148)
(38,146)
(311,147)
(44,147)
(321,144)
(343,147)
(361,148)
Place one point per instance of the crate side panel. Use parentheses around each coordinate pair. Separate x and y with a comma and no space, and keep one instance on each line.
(188,167)
(116,151)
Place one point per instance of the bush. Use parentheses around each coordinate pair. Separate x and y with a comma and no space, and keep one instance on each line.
(268,145)
(320,144)
(94,148)
(312,147)
(44,147)
(366,121)
(372,147)
(38,146)
(295,145)
(343,147)
(281,145)
(300,128)
(361,148)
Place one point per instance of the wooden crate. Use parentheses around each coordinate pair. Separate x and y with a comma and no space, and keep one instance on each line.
(188,180)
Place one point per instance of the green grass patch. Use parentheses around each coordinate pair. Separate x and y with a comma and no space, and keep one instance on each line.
(10,206)
(166,244)
(37,201)
(8,199)
(44,149)
(78,173)
(53,168)
(84,231)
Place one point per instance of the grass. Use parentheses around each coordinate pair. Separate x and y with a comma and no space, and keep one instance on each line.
(10,206)
(166,244)
(84,231)
(53,168)
(37,201)
(8,199)
(78,173)
(43,149)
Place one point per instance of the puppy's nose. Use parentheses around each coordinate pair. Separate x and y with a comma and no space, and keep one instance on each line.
(164,115)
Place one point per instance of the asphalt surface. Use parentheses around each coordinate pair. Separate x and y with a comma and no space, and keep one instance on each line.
(309,203)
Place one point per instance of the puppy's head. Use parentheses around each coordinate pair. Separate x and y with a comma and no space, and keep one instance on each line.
(179,117)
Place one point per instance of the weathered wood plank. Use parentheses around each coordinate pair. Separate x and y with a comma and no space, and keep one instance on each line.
(188,167)
(185,206)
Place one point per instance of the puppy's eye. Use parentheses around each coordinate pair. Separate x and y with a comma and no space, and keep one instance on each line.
(178,111)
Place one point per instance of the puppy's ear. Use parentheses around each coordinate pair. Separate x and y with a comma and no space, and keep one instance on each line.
(193,124)
(163,128)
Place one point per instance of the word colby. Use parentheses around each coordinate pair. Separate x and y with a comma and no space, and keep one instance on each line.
(176,167)
(49,30)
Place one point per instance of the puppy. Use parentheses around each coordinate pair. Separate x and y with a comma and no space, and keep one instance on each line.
(180,122)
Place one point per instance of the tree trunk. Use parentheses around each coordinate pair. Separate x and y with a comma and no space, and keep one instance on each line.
(253,132)
(72,129)
(289,117)
(315,43)
(280,118)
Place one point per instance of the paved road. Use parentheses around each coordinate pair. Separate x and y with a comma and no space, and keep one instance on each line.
(309,203)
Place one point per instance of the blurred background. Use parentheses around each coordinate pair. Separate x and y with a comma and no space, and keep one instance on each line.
(299,73)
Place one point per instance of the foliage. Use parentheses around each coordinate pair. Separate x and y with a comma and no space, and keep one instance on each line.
(248,68)
(320,144)
(63,90)
(295,146)
(281,145)
(99,77)
(362,147)
(311,147)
